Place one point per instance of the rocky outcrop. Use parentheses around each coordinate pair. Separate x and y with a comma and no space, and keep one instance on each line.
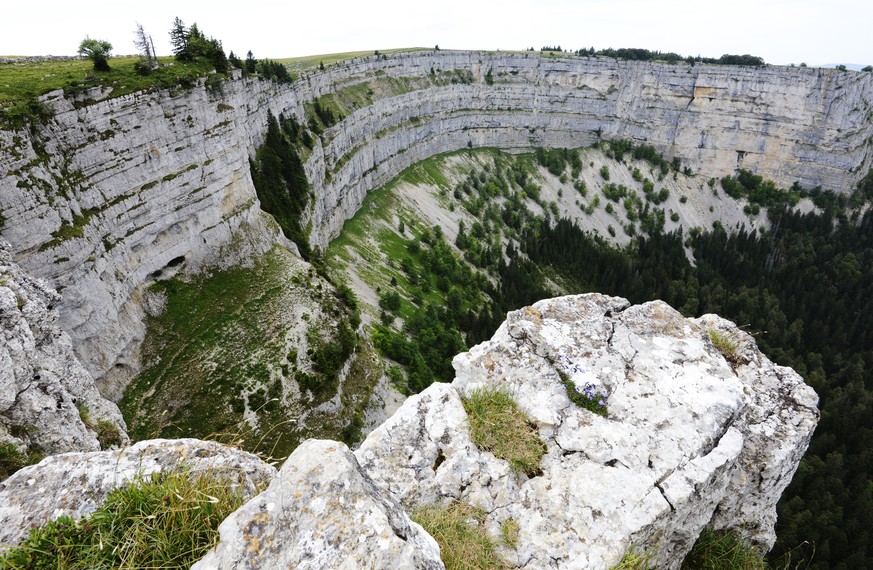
(322,511)
(688,441)
(48,401)
(76,484)
(113,193)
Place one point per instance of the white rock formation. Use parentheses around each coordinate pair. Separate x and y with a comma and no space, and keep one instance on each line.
(76,484)
(688,442)
(320,512)
(44,389)
(111,192)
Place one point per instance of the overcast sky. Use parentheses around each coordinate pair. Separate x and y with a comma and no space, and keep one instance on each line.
(780,31)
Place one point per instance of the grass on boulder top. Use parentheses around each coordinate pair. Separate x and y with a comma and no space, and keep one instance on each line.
(499,425)
(459,530)
(167,521)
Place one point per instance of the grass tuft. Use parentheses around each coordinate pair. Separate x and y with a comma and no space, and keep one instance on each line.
(12,459)
(459,530)
(167,521)
(720,550)
(633,560)
(509,532)
(498,425)
(727,347)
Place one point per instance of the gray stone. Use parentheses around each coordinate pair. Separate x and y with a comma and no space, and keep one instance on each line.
(44,389)
(76,484)
(322,512)
(687,442)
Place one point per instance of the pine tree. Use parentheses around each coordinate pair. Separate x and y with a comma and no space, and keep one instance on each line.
(179,40)
(143,43)
(251,63)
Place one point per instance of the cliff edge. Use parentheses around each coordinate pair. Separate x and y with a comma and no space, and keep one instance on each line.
(696,434)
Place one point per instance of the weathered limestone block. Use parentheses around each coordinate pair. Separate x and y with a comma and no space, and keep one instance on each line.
(322,512)
(778,425)
(44,389)
(76,484)
(678,451)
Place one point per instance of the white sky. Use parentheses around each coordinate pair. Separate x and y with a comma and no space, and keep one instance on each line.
(780,31)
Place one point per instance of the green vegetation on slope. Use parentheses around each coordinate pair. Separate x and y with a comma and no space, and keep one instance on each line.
(240,354)
(22,82)
(771,282)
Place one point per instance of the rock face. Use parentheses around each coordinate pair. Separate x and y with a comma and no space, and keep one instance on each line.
(48,401)
(688,442)
(113,193)
(322,511)
(75,484)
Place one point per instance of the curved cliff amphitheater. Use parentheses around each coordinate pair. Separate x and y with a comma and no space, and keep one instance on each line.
(149,178)
(115,193)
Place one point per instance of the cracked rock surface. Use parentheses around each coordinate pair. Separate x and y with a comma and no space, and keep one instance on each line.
(322,511)
(688,442)
(44,389)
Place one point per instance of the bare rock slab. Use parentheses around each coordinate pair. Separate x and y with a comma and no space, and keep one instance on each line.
(49,403)
(322,512)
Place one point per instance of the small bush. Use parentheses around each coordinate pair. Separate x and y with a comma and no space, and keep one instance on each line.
(498,425)
(604,172)
(460,532)
(168,521)
(108,434)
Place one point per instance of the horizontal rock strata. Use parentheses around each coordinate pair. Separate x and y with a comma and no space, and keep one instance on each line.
(113,193)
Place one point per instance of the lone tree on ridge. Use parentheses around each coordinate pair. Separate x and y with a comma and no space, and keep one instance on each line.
(97,51)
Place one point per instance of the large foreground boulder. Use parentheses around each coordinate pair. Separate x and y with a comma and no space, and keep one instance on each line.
(701,430)
(688,442)
(76,484)
(322,511)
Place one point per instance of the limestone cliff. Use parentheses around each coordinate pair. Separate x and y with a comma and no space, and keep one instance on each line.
(690,441)
(48,401)
(112,193)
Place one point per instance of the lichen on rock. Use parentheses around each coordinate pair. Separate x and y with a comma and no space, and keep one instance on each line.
(322,511)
